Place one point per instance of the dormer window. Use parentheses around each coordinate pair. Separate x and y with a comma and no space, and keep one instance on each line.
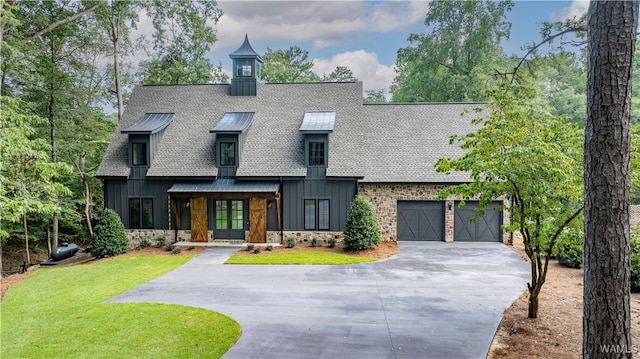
(227,154)
(316,153)
(139,154)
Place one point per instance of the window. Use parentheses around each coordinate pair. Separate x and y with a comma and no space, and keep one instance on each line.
(139,154)
(227,154)
(316,154)
(243,69)
(316,214)
(140,213)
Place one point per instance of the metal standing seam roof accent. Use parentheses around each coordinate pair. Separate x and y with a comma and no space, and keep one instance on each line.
(318,122)
(245,50)
(225,185)
(233,122)
(150,123)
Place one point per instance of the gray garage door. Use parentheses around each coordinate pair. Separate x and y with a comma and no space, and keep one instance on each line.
(420,221)
(483,229)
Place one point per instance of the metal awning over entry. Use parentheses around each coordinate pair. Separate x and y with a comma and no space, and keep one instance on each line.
(225,186)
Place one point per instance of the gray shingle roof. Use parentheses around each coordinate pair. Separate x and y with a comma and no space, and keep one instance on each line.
(378,143)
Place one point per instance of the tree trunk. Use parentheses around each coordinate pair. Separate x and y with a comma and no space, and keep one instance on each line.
(87,193)
(611,36)
(54,154)
(115,39)
(26,237)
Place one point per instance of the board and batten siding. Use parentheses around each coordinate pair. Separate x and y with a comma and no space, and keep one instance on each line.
(118,192)
(340,193)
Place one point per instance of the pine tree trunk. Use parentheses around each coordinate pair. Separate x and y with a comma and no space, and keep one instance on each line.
(54,151)
(611,34)
(26,237)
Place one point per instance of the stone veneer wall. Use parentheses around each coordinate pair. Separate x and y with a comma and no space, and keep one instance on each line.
(384,201)
(151,235)
(302,236)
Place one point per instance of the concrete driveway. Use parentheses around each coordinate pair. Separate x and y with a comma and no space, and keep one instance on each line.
(431,300)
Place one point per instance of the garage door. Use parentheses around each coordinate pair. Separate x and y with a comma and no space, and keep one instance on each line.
(483,229)
(420,221)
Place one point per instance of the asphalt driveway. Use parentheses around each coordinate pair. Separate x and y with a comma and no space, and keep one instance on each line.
(431,300)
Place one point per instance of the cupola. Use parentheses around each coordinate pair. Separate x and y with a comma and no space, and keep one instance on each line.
(246,70)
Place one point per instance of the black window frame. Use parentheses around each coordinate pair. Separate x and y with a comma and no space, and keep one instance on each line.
(241,66)
(142,150)
(313,220)
(316,154)
(224,159)
(143,219)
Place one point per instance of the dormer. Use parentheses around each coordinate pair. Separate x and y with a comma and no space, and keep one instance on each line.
(316,127)
(246,70)
(144,137)
(230,133)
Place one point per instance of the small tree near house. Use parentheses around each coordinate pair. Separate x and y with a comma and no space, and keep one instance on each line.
(362,229)
(109,237)
(531,157)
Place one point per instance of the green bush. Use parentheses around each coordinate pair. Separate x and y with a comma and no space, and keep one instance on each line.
(569,248)
(332,242)
(361,230)
(291,242)
(315,242)
(109,238)
(635,260)
(160,241)
(144,243)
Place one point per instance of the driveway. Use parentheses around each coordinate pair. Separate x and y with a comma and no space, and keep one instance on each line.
(431,300)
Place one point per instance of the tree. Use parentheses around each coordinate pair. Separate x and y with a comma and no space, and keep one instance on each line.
(454,61)
(27,175)
(611,34)
(635,164)
(291,65)
(526,155)
(340,74)
(375,96)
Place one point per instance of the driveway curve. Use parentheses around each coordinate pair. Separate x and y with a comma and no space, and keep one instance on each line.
(431,300)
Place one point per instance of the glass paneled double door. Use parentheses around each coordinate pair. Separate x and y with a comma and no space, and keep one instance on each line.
(229,219)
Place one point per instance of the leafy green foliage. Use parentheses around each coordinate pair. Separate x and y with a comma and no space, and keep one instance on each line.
(569,248)
(109,238)
(455,60)
(340,74)
(524,154)
(291,242)
(26,171)
(362,229)
(290,65)
(332,242)
(635,260)
(315,242)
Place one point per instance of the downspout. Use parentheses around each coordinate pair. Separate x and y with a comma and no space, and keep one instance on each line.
(281,213)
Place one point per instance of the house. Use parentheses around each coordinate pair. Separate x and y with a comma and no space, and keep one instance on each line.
(260,162)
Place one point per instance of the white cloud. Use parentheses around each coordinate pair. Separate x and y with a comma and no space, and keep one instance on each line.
(575,10)
(365,67)
(324,23)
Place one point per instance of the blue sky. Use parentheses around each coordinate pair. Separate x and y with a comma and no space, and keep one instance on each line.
(362,35)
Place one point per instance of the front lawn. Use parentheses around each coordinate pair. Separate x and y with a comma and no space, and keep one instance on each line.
(308,257)
(60,313)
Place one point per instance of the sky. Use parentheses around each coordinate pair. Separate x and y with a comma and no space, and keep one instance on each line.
(361,35)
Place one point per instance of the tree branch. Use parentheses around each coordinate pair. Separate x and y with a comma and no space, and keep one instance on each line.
(60,22)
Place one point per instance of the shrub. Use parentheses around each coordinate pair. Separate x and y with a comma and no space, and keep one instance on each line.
(315,242)
(291,242)
(160,241)
(361,230)
(635,260)
(250,247)
(569,248)
(144,243)
(109,238)
(332,242)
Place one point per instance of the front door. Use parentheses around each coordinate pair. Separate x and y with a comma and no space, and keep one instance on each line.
(199,219)
(229,217)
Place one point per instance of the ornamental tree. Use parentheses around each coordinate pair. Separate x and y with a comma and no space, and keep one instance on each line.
(530,157)
(362,229)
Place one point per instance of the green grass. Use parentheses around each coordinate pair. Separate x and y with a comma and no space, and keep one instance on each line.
(60,313)
(298,258)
